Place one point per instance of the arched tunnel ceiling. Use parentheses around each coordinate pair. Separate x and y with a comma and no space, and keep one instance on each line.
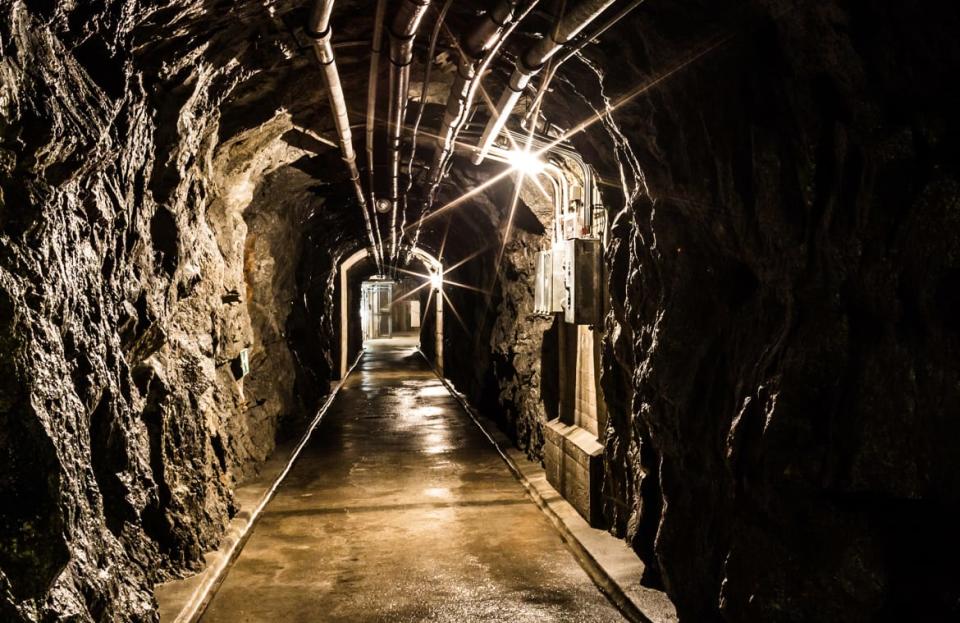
(240,82)
(274,113)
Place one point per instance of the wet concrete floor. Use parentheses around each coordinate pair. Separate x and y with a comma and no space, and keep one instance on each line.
(399,509)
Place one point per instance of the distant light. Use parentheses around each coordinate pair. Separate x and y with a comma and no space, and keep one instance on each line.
(383,205)
(436,281)
(525,162)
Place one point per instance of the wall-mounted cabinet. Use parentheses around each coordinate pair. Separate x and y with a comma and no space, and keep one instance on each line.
(582,260)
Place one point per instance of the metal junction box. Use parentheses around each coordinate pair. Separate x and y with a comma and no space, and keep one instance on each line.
(582,282)
(543,286)
(549,291)
(573,226)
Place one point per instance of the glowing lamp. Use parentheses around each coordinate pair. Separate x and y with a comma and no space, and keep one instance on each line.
(525,162)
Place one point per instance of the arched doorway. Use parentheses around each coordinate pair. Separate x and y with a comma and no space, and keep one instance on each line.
(433,268)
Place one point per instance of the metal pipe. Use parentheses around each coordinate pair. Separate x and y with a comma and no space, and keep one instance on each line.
(541,147)
(318,29)
(485,35)
(427,66)
(552,70)
(403,31)
(561,188)
(532,61)
(372,79)
(564,202)
(477,49)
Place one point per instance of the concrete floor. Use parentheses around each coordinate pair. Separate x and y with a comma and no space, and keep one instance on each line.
(400,510)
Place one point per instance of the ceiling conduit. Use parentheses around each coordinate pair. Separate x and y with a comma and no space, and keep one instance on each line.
(375,49)
(477,48)
(318,29)
(532,61)
(427,66)
(403,31)
(573,51)
(473,46)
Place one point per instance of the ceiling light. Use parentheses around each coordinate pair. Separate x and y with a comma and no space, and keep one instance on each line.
(383,205)
(525,162)
(436,281)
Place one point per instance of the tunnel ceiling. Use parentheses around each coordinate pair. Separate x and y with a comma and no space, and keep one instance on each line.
(242,78)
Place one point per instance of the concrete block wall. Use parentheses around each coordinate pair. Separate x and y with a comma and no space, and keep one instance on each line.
(572,452)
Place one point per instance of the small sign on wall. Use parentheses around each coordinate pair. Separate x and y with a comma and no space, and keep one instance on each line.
(241,364)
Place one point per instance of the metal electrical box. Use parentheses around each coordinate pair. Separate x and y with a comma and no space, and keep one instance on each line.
(582,280)
(573,226)
(548,289)
(543,287)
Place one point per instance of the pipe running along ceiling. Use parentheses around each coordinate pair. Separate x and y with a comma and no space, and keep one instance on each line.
(477,49)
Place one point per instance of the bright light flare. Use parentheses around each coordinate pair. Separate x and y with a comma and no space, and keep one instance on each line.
(577,129)
(436,281)
(525,162)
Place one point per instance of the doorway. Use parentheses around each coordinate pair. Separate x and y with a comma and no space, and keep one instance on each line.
(376,308)
(407,306)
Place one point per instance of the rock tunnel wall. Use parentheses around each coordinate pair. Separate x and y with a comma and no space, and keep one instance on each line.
(493,342)
(783,329)
(142,247)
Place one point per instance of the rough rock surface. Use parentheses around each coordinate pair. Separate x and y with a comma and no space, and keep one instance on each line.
(143,245)
(518,341)
(785,309)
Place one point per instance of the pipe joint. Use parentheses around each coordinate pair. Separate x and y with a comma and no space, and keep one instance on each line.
(324,52)
(401,54)
(318,36)
(529,65)
(400,36)
(519,81)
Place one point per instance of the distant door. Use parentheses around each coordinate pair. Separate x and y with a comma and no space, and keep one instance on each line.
(414,314)
(376,302)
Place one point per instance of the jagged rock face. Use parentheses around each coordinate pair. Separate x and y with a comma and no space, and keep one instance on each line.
(785,309)
(520,346)
(143,246)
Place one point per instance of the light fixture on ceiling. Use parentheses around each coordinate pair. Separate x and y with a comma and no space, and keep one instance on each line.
(525,162)
(383,205)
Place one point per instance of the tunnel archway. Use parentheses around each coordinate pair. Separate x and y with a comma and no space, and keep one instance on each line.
(431,264)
